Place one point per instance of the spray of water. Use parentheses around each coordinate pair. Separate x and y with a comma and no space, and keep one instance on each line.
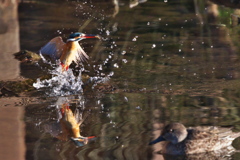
(61,83)
(66,83)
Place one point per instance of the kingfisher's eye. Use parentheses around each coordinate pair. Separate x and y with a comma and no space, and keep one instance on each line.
(171,130)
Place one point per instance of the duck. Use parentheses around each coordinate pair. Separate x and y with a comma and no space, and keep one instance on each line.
(180,140)
(68,126)
(67,52)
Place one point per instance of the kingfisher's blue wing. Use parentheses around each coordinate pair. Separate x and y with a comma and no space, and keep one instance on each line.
(53,48)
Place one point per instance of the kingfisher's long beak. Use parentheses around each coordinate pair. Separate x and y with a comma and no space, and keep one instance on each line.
(81,141)
(90,36)
(159,139)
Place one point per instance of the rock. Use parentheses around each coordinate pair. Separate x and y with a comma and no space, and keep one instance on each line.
(27,56)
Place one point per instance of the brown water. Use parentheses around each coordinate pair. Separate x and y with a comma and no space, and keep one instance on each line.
(176,61)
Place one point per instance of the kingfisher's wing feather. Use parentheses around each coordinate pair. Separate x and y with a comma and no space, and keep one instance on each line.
(81,55)
(53,48)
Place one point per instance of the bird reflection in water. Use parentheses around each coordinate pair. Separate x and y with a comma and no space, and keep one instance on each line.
(68,126)
(67,52)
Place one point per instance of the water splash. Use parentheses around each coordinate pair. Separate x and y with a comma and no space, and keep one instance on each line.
(61,83)
(96,80)
(66,83)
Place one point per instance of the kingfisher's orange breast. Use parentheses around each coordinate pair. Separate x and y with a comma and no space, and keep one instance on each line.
(69,123)
(69,52)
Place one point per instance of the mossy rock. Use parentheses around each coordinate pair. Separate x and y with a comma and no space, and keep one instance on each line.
(27,56)
(13,88)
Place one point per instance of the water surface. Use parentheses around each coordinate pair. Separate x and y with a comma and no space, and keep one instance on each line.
(174,61)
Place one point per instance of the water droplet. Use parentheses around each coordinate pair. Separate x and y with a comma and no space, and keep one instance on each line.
(100,67)
(138,107)
(124,52)
(116,65)
(124,60)
(110,74)
(135,38)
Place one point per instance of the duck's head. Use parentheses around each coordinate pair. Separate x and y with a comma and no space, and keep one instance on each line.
(80,36)
(174,133)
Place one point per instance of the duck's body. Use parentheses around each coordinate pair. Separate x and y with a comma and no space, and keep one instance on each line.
(66,52)
(180,141)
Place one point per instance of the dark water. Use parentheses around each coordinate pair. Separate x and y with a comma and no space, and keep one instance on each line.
(172,61)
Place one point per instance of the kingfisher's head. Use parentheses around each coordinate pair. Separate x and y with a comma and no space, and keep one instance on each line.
(80,36)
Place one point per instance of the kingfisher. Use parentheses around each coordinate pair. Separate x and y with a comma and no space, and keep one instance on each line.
(68,126)
(69,51)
